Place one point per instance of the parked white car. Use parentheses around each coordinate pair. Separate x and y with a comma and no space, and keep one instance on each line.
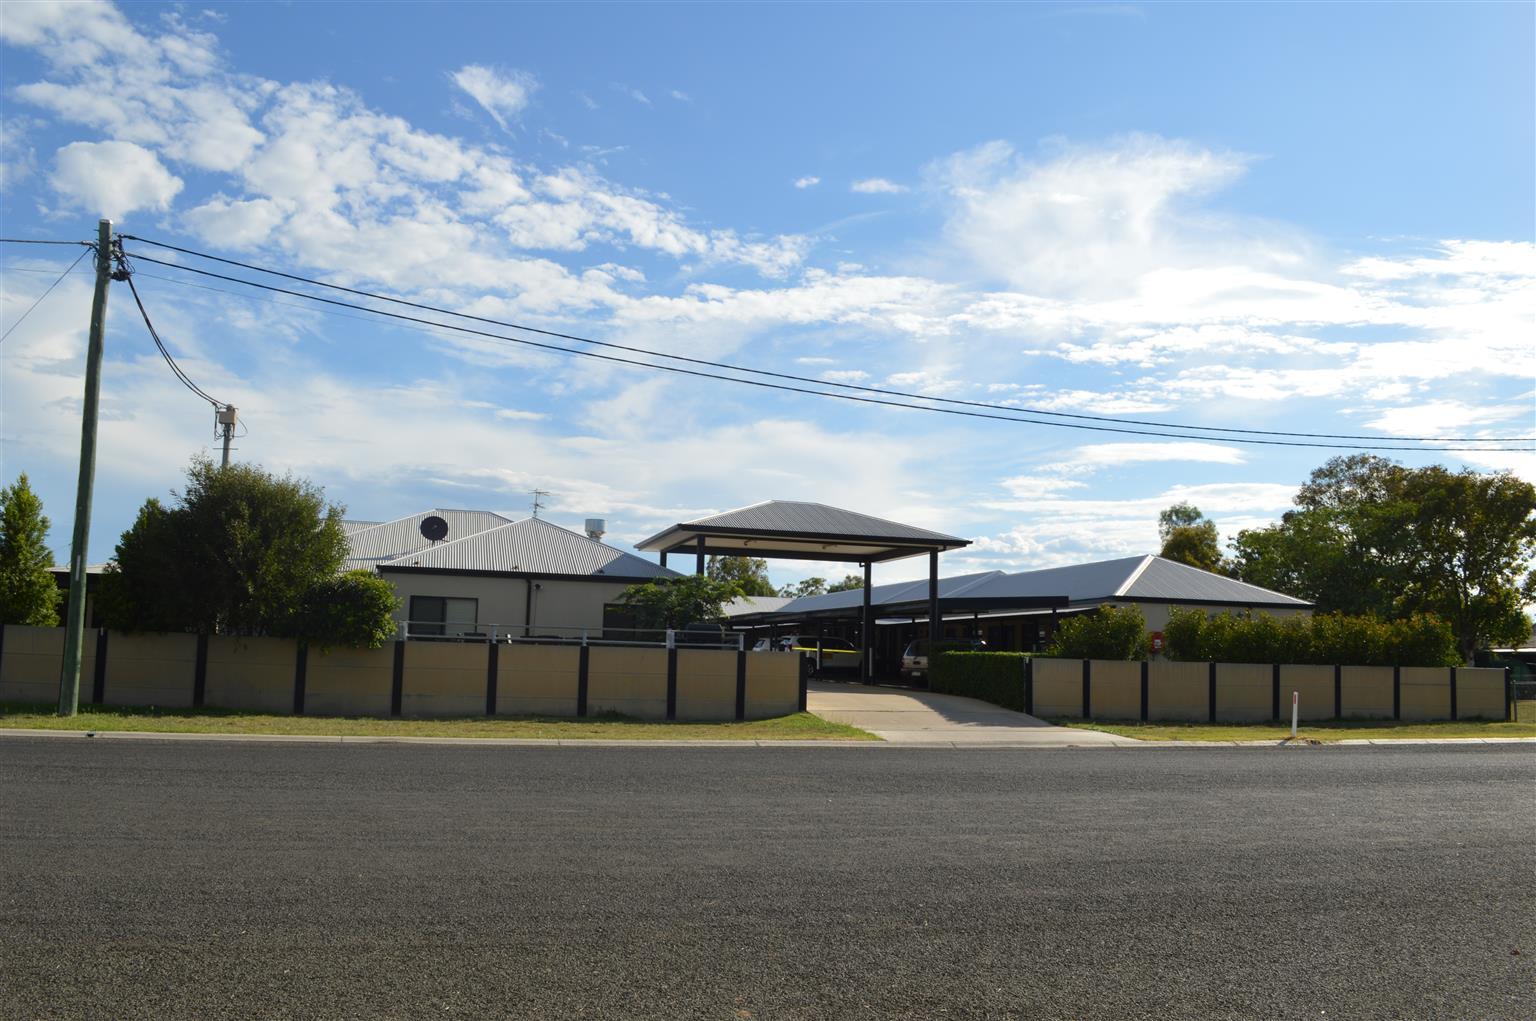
(836,653)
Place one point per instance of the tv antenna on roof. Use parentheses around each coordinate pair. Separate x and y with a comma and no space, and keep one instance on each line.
(538,504)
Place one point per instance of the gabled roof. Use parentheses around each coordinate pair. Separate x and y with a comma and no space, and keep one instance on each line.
(810,531)
(374,544)
(886,596)
(1127,579)
(530,546)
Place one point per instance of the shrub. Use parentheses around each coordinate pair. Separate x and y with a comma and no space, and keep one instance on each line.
(1106,633)
(996,677)
(1421,640)
(356,609)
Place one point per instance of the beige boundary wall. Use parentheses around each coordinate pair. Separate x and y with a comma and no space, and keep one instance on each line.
(1255,692)
(417,678)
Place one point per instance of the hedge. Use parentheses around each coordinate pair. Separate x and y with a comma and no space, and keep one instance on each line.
(1106,633)
(996,677)
(1420,640)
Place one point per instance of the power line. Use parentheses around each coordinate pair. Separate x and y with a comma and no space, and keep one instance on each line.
(30,241)
(83,253)
(792,389)
(788,376)
(166,354)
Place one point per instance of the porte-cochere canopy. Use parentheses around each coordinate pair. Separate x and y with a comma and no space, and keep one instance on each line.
(792,530)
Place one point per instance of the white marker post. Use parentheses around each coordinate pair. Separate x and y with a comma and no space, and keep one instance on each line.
(1295,704)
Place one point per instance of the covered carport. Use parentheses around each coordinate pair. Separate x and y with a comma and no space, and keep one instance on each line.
(967,598)
(793,530)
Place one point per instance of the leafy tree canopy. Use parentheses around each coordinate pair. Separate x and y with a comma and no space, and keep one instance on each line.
(1371,536)
(848,584)
(356,608)
(28,592)
(239,551)
(1189,537)
(808,587)
(750,573)
(678,602)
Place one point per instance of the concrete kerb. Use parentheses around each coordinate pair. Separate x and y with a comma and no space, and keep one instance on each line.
(501,742)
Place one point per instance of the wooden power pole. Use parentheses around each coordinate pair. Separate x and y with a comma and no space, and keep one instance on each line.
(74,627)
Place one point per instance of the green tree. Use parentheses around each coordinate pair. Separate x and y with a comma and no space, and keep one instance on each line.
(849,583)
(1371,536)
(678,602)
(1180,515)
(238,552)
(808,587)
(1107,633)
(28,592)
(750,573)
(1189,537)
(356,608)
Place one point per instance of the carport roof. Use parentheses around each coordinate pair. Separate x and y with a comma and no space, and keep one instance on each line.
(793,529)
(1150,579)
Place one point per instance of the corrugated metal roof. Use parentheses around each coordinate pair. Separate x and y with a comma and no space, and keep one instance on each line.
(813,520)
(357,526)
(379,543)
(1173,581)
(889,594)
(1129,578)
(532,546)
(753,604)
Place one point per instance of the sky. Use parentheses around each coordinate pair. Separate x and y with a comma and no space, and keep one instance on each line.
(1300,218)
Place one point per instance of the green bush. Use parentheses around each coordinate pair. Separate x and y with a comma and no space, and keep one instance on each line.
(356,609)
(996,677)
(1420,640)
(1106,633)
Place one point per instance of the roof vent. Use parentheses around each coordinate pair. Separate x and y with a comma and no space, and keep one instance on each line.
(596,529)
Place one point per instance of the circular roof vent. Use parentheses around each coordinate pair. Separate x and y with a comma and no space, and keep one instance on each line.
(434,528)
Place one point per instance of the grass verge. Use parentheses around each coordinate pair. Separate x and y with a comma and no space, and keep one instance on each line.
(795,727)
(1326,731)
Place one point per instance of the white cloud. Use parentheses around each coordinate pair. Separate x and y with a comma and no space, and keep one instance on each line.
(113,179)
(1100,455)
(877,186)
(502,94)
(632,93)
(808,181)
(1089,221)
(681,96)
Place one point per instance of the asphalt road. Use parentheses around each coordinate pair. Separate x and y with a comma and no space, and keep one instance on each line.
(219,880)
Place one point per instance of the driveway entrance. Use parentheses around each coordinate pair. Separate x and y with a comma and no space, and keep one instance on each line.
(923,717)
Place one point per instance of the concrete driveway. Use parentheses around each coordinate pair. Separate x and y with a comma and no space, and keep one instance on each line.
(921,717)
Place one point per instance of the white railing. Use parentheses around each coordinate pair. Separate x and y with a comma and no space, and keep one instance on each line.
(558,634)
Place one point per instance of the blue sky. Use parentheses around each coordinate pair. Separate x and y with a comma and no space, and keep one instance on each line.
(1292,217)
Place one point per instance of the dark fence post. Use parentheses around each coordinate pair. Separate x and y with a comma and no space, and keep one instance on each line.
(582,673)
(1453,693)
(2,643)
(1145,670)
(1338,691)
(1274,691)
(99,678)
(1211,693)
(672,681)
(397,680)
(200,673)
(300,675)
(1510,707)
(805,679)
(1029,685)
(741,684)
(1087,689)
(1397,692)
(492,662)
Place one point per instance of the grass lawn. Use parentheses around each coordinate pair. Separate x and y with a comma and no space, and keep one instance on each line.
(1329,730)
(796,727)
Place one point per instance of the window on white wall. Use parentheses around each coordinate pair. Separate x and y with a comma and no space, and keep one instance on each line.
(443,615)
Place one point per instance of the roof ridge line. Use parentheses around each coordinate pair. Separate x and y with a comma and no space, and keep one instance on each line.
(1135,575)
